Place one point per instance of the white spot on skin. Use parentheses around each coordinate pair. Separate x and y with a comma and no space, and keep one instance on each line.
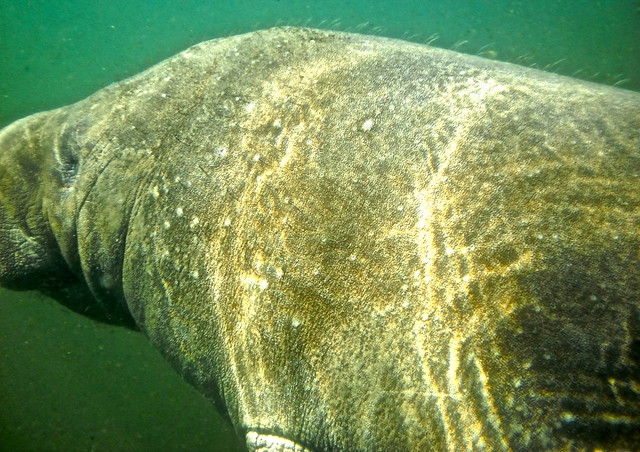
(166,224)
(195,274)
(256,157)
(258,263)
(179,211)
(194,222)
(449,251)
(154,192)
(295,323)
(250,107)
(227,222)
(253,282)
(352,257)
(367,125)
(222,152)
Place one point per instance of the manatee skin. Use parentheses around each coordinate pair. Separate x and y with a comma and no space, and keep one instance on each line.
(350,242)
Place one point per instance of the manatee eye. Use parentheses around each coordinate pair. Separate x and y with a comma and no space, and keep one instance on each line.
(68,164)
(69,168)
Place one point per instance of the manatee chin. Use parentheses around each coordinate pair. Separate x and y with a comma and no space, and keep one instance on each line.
(350,242)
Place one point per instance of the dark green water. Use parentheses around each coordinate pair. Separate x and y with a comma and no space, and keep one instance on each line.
(67,383)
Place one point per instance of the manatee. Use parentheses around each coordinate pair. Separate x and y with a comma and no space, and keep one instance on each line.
(349,242)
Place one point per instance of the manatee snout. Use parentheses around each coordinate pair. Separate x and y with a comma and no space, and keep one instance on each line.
(27,246)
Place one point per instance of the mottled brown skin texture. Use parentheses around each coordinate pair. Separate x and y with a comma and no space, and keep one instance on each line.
(352,243)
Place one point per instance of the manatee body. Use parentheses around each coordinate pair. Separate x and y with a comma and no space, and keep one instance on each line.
(350,242)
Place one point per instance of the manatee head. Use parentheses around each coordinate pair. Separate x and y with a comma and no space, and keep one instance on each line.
(40,159)
(27,245)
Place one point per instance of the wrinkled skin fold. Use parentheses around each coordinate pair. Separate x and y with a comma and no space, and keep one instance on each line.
(349,242)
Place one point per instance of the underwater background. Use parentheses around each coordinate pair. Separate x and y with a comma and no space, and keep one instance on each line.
(69,383)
